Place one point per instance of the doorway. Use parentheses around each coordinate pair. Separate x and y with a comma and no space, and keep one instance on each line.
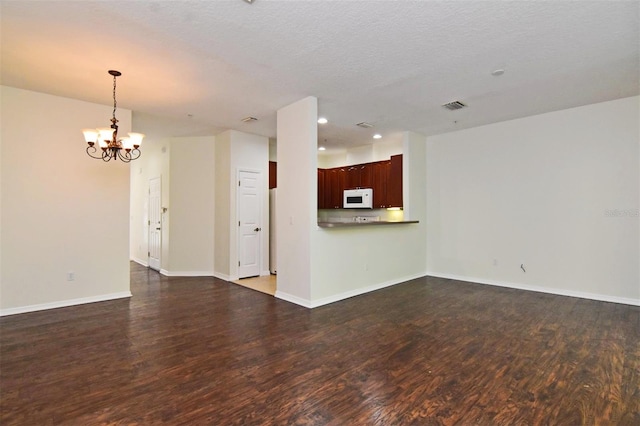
(155,223)
(249,213)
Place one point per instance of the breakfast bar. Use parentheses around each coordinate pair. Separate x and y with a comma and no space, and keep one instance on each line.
(371,223)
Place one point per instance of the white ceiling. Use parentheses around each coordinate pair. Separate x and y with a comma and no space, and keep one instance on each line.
(390,63)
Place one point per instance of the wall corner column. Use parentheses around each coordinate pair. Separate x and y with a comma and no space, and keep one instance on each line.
(296,210)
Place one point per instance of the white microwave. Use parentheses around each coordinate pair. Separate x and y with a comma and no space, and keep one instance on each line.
(358,198)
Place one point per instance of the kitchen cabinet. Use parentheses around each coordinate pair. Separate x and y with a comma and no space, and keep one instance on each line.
(273,174)
(352,177)
(385,177)
(359,176)
(380,180)
(394,188)
(334,186)
(366,175)
(321,189)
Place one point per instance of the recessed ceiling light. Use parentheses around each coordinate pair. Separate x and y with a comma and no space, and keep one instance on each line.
(497,72)
(377,136)
(322,120)
(322,148)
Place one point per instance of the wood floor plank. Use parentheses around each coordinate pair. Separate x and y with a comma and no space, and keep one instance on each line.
(430,352)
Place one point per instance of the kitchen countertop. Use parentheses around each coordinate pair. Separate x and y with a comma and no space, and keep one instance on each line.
(371,223)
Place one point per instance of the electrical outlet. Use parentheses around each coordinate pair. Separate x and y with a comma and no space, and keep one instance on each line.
(71,276)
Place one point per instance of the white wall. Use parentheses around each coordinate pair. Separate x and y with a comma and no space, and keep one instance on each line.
(414,177)
(361,154)
(234,151)
(273,149)
(375,152)
(192,189)
(297,198)
(384,150)
(222,219)
(329,161)
(61,210)
(558,192)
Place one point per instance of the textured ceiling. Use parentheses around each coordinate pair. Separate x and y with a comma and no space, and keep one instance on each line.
(390,63)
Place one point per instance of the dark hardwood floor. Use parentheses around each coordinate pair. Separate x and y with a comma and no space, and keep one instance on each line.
(431,351)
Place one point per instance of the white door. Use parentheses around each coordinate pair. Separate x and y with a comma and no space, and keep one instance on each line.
(249,223)
(155,223)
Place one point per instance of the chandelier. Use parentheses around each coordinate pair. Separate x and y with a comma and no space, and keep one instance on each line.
(125,149)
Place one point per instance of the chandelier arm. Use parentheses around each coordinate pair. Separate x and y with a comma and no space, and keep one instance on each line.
(135,154)
(124,157)
(92,150)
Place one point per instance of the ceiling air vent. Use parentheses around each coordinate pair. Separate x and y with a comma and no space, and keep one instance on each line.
(365,125)
(452,106)
(249,119)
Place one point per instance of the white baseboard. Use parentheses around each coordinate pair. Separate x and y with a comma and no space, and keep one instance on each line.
(293,299)
(363,290)
(224,277)
(64,303)
(346,295)
(140,262)
(556,291)
(187,273)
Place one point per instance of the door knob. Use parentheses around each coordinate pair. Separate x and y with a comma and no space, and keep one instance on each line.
(157,229)
(258,229)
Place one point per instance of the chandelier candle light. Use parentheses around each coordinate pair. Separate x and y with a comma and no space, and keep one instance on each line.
(125,149)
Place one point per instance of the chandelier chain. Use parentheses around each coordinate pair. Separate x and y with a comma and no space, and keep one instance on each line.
(114,98)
